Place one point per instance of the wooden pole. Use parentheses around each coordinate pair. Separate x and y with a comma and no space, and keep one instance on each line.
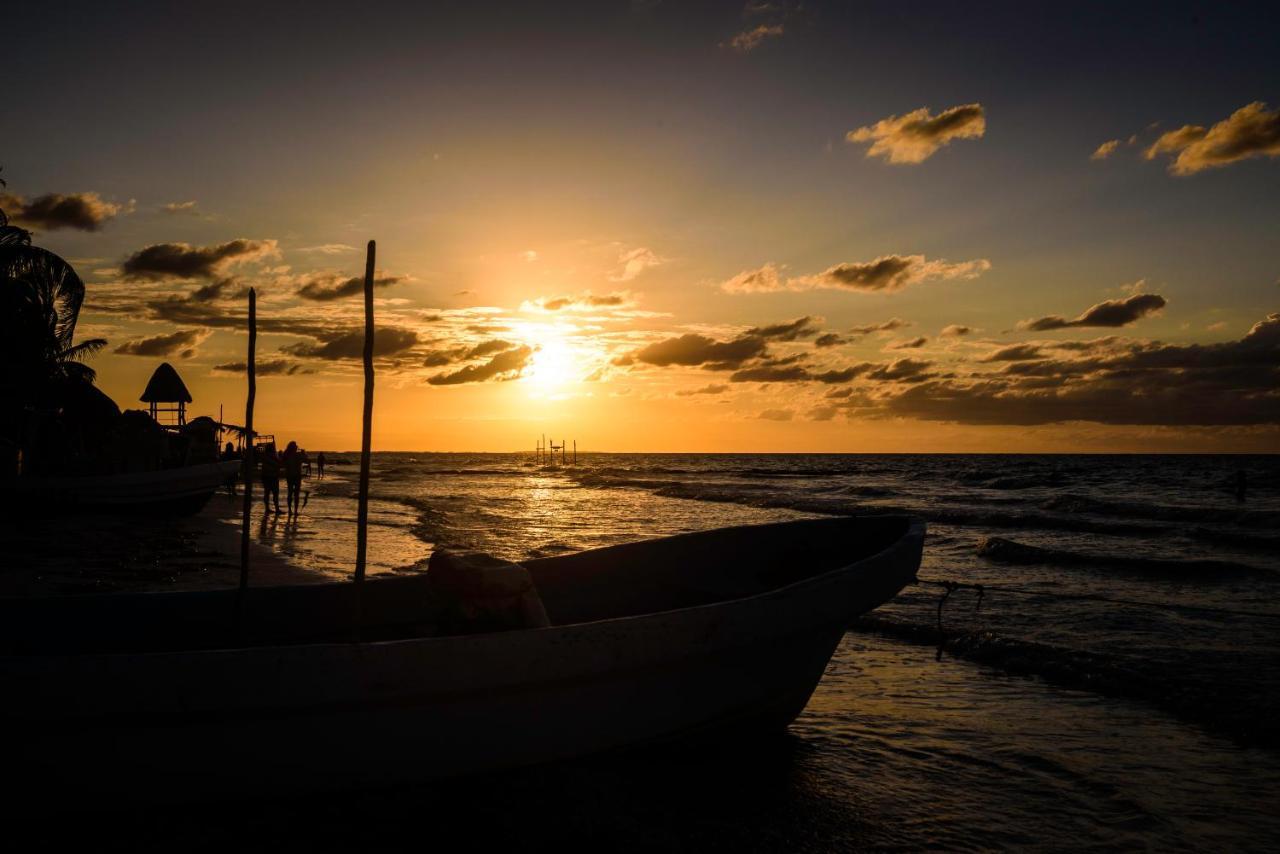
(362,512)
(247,466)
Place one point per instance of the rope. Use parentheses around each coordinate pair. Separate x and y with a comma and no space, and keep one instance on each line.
(952,586)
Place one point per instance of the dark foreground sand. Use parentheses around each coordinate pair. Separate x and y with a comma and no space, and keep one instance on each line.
(101,554)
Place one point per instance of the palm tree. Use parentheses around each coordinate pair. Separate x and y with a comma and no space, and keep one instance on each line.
(40,299)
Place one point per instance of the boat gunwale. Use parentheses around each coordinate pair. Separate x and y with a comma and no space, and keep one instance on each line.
(915,526)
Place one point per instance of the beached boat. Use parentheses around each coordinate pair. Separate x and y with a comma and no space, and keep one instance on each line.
(175,491)
(159,695)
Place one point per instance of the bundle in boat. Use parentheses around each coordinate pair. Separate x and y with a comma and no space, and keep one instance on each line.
(481,593)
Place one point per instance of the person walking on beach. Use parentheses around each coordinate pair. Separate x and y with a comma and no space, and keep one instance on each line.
(320,465)
(230,453)
(270,474)
(293,477)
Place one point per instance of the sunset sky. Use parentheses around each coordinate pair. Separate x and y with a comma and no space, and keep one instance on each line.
(673,226)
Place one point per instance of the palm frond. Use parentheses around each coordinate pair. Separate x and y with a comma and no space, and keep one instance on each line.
(83,350)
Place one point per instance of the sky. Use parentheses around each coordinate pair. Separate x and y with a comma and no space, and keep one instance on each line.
(661,226)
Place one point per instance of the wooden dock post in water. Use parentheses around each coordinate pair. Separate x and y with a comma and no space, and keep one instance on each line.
(362,512)
(247,467)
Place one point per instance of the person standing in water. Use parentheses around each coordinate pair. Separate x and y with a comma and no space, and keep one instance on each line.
(320,465)
(293,477)
(270,474)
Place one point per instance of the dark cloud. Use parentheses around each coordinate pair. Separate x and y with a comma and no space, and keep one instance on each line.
(910,344)
(713,388)
(387,341)
(772,374)
(219,290)
(1111,313)
(914,137)
(183,341)
(1138,383)
(887,326)
(801,327)
(270,367)
(901,370)
(183,261)
(81,211)
(581,302)
(1015,353)
(327,288)
(692,350)
(887,274)
(504,366)
(829,340)
(1251,131)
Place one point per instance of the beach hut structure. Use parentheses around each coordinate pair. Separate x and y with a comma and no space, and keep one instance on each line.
(166,395)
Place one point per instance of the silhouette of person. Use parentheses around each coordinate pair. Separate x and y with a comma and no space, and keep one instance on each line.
(293,476)
(270,475)
(320,465)
(229,453)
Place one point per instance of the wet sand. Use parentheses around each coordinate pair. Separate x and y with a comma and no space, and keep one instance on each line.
(78,554)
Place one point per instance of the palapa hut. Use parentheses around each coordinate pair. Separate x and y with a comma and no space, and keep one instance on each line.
(166,387)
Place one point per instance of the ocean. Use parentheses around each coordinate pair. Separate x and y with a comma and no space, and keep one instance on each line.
(1113,686)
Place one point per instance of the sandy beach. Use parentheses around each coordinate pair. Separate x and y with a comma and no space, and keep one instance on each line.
(102,554)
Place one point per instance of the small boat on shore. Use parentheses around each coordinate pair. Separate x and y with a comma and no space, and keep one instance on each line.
(176,491)
(175,695)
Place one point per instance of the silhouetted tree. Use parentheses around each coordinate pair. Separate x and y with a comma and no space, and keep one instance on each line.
(40,299)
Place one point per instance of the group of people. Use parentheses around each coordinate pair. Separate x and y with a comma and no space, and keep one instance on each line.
(293,463)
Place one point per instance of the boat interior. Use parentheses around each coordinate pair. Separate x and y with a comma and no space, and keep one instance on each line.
(631,579)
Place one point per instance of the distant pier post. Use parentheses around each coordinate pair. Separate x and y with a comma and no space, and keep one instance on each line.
(246,467)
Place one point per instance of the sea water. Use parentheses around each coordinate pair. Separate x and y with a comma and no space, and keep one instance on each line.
(1117,688)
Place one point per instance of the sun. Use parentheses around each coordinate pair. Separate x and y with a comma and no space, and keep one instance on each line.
(552,365)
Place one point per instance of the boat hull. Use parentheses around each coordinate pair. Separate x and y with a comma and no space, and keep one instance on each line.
(179,491)
(359,714)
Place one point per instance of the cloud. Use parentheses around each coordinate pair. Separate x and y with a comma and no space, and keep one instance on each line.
(270,367)
(221,289)
(183,341)
(748,40)
(901,370)
(585,301)
(1131,383)
(822,413)
(914,137)
(504,366)
(52,211)
(161,261)
(776,415)
(329,287)
(886,274)
(889,273)
(888,326)
(911,344)
(179,207)
(636,261)
(829,340)
(387,341)
(692,349)
(329,249)
(954,330)
(801,327)
(1110,313)
(713,388)
(1251,131)
(1102,152)
(763,280)
(1015,353)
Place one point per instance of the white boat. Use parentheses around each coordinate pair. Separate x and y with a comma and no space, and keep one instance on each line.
(158,695)
(175,491)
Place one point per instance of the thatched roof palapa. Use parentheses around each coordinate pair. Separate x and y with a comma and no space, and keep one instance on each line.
(166,386)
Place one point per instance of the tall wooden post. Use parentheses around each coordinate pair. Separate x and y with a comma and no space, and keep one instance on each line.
(247,456)
(362,511)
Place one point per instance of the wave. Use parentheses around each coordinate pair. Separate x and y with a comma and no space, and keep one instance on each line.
(1164,686)
(1002,550)
(1075,503)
